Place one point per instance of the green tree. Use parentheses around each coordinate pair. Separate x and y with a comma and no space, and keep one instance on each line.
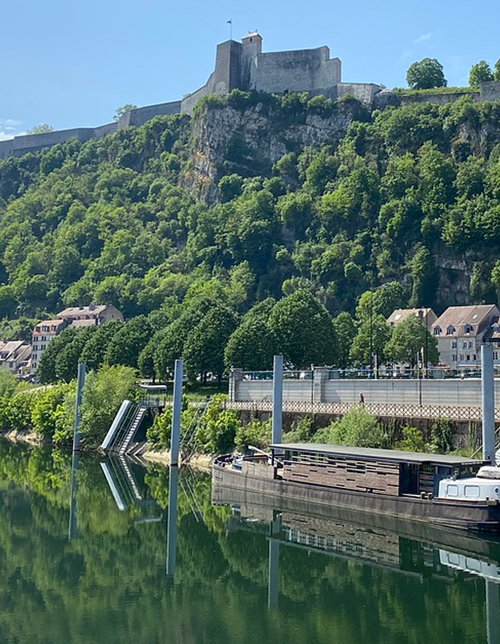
(46,370)
(304,330)
(95,348)
(345,330)
(128,342)
(123,109)
(425,74)
(43,128)
(496,72)
(373,334)
(411,341)
(204,347)
(251,346)
(480,73)
(67,360)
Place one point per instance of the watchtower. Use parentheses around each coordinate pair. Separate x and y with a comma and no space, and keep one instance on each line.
(251,47)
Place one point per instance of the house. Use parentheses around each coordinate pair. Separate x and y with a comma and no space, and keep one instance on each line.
(460,332)
(15,355)
(100,313)
(74,316)
(43,333)
(426,316)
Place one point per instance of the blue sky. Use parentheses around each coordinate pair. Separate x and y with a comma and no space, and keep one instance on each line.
(72,64)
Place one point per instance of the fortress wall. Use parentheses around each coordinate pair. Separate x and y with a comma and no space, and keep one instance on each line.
(365,92)
(104,130)
(141,115)
(294,71)
(26,143)
(490,91)
(387,98)
(190,101)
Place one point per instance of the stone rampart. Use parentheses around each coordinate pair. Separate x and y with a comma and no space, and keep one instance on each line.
(140,115)
(388,98)
(26,143)
(490,91)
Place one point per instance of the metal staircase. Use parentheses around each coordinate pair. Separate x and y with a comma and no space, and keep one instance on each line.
(127,429)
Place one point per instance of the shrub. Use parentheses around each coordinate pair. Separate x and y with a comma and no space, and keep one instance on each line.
(413,440)
(441,436)
(357,428)
(255,433)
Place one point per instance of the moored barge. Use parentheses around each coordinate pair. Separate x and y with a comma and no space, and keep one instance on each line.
(451,491)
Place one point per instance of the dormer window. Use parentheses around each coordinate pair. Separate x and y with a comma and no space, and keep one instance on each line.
(468,329)
(437,330)
(450,330)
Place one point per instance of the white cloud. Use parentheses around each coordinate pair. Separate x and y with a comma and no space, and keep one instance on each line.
(10,128)
(422,38)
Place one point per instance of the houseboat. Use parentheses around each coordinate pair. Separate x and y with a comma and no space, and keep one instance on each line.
(451,491)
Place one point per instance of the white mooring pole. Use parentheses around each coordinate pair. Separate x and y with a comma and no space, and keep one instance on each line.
(277,398)
(176,414)
(488,401)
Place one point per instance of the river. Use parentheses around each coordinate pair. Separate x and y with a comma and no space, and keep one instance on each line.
(102,557)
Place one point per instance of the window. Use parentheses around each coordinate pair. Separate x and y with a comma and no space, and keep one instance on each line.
(474,357)
(470,345)
(472,491)
(454,357)
(437,331)
(450,330)
(453,344)
(45,328)
(468,357)
(468,329)
(461,357)
(464,345)
(452,490)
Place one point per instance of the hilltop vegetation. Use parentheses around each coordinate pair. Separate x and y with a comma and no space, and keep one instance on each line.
(405,204)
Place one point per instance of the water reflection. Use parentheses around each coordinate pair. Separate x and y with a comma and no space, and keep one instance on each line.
(246,573)
(327,530)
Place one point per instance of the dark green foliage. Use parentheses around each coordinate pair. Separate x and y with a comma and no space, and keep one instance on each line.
(305,332)
(116,220)
(426,74)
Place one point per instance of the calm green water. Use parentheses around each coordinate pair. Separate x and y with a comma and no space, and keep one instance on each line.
(101,577)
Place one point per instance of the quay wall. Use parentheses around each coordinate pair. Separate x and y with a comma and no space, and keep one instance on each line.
(453,392)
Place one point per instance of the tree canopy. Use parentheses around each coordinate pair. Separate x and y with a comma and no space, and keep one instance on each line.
(426,74)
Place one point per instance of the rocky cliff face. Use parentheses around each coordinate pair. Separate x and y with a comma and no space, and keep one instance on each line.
(249,141)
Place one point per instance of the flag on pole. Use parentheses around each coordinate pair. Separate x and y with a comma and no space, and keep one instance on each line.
(229,22)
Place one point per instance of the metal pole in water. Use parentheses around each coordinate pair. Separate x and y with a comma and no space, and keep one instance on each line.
(488,401)
(172,519)
(277,398)
(492,612)
(176,414)
(79,390)
(72,528)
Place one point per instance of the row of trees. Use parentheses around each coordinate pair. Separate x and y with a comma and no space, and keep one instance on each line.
(211,337)
(428,74)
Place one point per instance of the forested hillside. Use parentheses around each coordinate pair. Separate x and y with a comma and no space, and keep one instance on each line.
(195,227)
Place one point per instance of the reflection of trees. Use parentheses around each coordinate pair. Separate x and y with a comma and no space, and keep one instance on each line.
(109,584)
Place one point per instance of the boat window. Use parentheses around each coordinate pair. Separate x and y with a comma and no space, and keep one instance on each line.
(472,491)
(452,490)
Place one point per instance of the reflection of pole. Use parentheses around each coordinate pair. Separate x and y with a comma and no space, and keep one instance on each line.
(274,564)
(371,334)
(492,612)
(277,398)
(487,391)
(172,519)
(79,389)
(176,414)
(72,529)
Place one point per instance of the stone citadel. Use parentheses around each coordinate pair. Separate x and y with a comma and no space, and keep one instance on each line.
(243,65)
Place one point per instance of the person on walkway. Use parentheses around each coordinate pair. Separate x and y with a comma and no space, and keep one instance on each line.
(361,399)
